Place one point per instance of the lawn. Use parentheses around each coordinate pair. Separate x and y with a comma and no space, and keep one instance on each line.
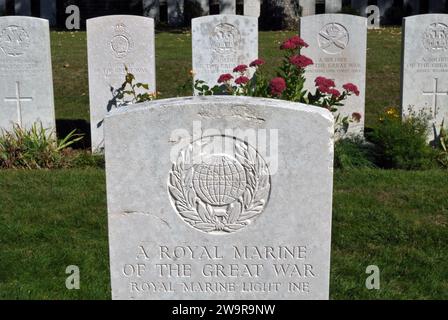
(396,220)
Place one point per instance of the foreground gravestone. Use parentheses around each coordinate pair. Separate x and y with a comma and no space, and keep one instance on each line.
(26,81)
(425,69)
(220,43)
(219,198)
(338,46)
(113,43)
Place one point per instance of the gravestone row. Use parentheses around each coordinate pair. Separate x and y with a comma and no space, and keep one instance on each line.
(337,46)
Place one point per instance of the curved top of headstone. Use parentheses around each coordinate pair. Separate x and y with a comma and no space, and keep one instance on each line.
(24,18)
(219,17)
(119,16)
(426,16)
(335,16)
(221,101)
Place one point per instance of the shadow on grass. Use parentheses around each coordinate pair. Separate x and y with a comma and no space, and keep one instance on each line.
(65,126)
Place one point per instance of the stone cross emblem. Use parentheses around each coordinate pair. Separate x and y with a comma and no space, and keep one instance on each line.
(435,93)
(18,99)
(216,192)
(333,38)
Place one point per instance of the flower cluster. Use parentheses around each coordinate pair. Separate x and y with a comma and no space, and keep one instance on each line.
(294,43)
(288,83)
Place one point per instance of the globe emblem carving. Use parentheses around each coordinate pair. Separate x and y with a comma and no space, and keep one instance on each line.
(435,38)
(219,181)
(14,41)
(333,38)
(225,39)
(221,192)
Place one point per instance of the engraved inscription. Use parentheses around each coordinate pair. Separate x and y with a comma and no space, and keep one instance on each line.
(435,38)
(14,41)
(225,39)
(121,43)
(219,192)
(333,38)
(217,269)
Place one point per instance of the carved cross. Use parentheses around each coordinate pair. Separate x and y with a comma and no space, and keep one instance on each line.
(435,94)
(18,100)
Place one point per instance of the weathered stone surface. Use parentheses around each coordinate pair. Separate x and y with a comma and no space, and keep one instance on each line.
(26,81)
(217,197)
(333,6)
(220,43)
(425,68)
(252,8)
(308,7)
(114,42)
(338,46)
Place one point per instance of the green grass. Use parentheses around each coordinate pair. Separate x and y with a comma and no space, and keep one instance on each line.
(393,219)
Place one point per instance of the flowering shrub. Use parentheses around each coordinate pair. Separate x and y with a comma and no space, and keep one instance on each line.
(287,85)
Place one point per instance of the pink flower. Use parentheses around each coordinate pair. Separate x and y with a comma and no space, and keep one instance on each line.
(301,61)
(241,68)
(335,93)
(256,63)
(298,41)
(324,82)
(225,78)
(242,80)
(288,45)
(293,43)
(277,86)
(350,87)
(324,89)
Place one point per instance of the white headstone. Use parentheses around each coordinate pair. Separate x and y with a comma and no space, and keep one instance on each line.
(333,6)
(26,80)
(175,12)
(252,8)
(338,46)
(227,6)
(308,7)
(219,198)
(425,68)
(151,9)
(114,42)
(220,43)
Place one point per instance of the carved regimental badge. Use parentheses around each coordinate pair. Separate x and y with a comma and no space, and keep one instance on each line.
(333,38)
(121,43)
(219,192)
(14,41)
(225,39)
(435,38)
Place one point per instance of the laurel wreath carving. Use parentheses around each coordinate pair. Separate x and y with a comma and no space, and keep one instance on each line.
(240,213)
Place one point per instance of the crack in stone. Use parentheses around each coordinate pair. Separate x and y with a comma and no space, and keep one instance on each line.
(130,212)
